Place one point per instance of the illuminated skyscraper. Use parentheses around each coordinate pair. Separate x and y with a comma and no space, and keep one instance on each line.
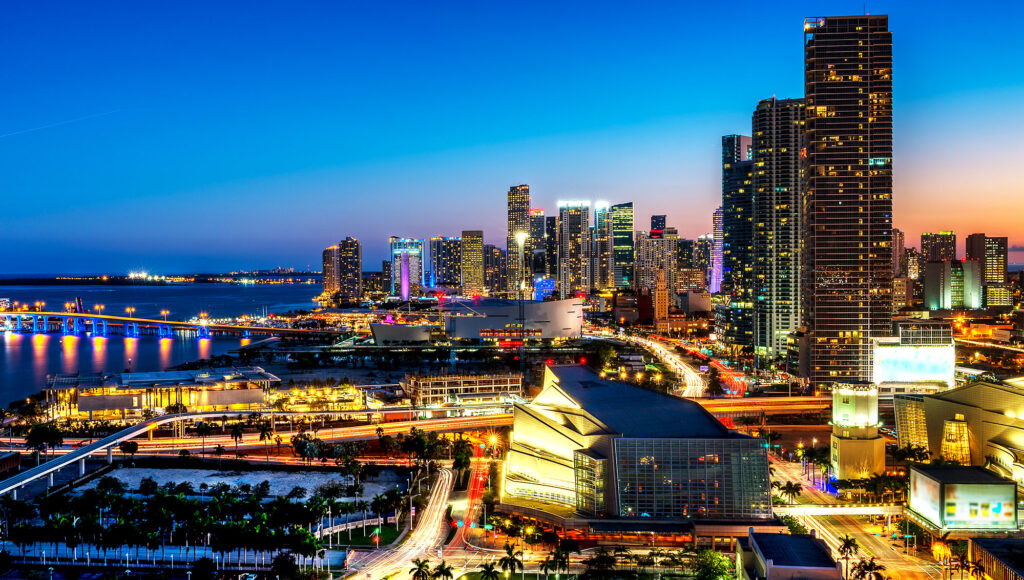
(603,262)
(991,253)
(938,246)
(343,269)
(622,244)
(655,256)
(446,262)
(537,242)
(518,222)
(350,269)
(472,263)
(847,194)
(406,266)
(573,247)
(734,319)
(715,263)
(777,128)
(330,270)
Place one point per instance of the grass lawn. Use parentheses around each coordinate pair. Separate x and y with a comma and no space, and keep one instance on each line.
(388,534)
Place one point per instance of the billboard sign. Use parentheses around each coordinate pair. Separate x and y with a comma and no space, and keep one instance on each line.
(925,497)
(980,506)
(913,363)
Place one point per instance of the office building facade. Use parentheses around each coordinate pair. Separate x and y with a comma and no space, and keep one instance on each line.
(518,222)
(472,263)
(991,253)
(602,249)
(622,243)
(953,284)
(445,262)
(847,194)
(573,247)
(938,246)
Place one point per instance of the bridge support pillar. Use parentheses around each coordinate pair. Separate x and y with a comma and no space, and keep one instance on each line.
(14,494)
(135,329)
(104,328)
(35,324)
(49,480)
(46,324)
(81,467)
(110,455)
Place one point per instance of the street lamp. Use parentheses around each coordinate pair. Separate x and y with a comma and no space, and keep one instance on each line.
(99,308)
(521,238)
(130,310)
(164,313)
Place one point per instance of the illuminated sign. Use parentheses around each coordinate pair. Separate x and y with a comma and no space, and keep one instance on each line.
(914,363)
(924,497)
(977,506)
(509,332)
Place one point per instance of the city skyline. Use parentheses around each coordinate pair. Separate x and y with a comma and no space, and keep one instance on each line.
(292,143)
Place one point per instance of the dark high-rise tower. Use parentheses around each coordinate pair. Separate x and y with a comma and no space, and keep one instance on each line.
(777,128)
(350,269)
(938,246)
(734,319)
(847,195)
(551,246)
(518,222)
(658,222)
(537,252)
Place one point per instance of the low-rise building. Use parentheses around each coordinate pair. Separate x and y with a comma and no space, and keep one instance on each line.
(999,558)
(441,389)
(921,358)
(120,395)
(763,556)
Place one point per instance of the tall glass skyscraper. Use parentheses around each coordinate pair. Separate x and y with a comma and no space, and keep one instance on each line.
(622,243)
(518,222)
(603,268)
(445,262)
(715,262)
(777,127)
(847,194)
(573,247)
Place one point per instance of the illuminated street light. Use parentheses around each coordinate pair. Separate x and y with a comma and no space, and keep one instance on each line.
(130,310)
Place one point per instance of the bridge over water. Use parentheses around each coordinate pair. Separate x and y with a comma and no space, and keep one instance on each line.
(103,324)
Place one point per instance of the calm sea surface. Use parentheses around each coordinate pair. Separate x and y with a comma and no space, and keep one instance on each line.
(26,359)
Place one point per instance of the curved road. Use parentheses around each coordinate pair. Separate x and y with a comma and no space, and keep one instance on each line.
(425,538)
(693,386)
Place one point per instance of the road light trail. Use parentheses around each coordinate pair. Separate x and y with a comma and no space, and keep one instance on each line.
(693,385)
(424,538)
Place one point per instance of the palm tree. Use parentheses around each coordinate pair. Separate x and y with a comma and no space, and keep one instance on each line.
(868,570)
(203,429)
(847,549)
(547,566)
(791,490)
(488,571)
(512,559)
(420,569)
(266,434)
(236,434)
(443,571)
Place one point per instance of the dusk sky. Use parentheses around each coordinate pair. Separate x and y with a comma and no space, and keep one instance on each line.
(203,136)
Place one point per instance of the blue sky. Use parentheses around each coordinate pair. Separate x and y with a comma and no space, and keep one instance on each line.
(207,136)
